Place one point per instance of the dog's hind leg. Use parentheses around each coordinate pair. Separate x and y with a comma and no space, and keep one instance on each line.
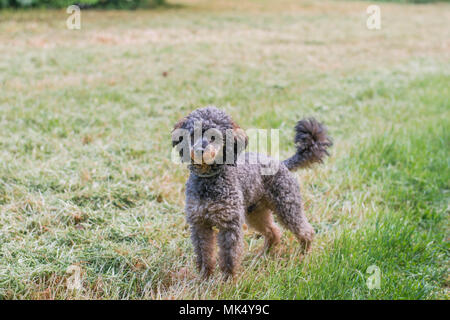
(260,218)
(284,193)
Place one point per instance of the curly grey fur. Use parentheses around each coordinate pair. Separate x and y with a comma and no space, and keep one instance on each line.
(239,193)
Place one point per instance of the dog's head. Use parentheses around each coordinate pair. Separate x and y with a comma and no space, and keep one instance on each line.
(208,137)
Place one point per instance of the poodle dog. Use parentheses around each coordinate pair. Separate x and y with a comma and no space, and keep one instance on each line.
(226,187)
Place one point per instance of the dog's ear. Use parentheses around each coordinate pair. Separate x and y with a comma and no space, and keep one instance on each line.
(240,139)
(181,139)
(176,137)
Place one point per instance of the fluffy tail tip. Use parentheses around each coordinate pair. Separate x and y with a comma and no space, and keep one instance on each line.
(312,141)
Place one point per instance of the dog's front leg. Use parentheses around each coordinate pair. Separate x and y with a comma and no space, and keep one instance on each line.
(204,241)
(230,244)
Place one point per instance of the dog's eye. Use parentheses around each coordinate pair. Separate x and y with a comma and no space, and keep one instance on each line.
(212,139)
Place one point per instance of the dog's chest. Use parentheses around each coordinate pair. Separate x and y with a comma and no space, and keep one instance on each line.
(214,203)
(213,213)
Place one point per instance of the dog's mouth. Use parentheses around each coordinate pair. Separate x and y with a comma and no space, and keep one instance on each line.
(202,168)
(205,157)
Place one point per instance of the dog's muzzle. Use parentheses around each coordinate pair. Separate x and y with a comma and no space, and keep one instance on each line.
(203,152)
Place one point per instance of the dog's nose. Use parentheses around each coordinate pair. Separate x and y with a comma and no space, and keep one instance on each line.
(204,144)
(200,145)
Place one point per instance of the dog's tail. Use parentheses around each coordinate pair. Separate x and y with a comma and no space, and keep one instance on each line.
(312,142)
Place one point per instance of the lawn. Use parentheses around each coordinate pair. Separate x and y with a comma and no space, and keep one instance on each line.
(87,181)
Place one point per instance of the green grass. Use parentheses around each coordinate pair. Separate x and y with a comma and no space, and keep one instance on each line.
(85,171)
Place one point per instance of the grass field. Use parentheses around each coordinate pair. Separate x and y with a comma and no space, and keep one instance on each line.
(86,178)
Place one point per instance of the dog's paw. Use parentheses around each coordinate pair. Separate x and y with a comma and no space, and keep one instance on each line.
(306,237)
(206,273)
